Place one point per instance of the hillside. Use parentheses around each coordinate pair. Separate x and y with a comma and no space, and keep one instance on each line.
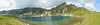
(5,20)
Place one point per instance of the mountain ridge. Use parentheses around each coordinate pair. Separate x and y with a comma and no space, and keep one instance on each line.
(60,10)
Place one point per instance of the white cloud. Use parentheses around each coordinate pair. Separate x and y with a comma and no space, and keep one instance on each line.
(78,4)
(69,3)
(4,3)
(7,5)
(98,10)
(48,8)
(10,4)
(89,5)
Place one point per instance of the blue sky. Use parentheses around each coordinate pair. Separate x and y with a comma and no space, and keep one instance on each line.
(97,5)
(92,5)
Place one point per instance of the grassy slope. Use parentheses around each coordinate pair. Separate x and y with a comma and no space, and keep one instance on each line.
(93,20)
(92,17)
(5,20)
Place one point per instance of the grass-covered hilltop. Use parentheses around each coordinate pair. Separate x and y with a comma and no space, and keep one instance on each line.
(92,17)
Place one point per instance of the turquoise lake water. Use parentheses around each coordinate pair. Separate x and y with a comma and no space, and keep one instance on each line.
(52,20)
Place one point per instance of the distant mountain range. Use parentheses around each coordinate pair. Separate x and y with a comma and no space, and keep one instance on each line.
(61,10)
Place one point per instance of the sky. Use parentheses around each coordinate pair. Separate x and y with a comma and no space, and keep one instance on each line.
(92,5)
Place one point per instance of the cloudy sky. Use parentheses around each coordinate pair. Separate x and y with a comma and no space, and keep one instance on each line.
(17,4)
